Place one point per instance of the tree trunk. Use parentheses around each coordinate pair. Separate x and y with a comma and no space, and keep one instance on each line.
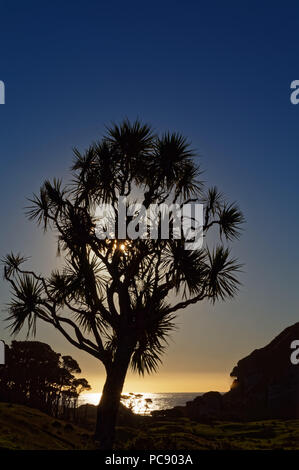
(109,404)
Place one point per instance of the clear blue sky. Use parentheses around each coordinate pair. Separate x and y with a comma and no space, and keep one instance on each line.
(220,73)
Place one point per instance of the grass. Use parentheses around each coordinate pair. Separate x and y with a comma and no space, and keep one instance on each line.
(183,434)
(23,428)
(28,429)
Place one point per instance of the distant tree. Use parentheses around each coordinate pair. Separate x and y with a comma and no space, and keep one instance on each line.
(136,401)
(36,376)
(115,300)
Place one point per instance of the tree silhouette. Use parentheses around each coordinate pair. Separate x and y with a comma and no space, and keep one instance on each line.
(115,299)
(36,376)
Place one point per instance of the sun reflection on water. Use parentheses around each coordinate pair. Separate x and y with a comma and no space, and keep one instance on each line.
(141,403)
(145,403)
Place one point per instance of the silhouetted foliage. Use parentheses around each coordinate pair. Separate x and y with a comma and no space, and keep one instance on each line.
(115,299)
(36,376)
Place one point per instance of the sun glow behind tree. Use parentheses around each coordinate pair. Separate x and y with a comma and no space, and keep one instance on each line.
(117,298)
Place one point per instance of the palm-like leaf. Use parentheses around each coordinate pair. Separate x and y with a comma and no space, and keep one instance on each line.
(26,304)
(59,287)
(55,193)
(222,270)
(230,221)
(39,210)
(130,139)
(152,340)
(213,200)
(172,155)
(188,184)
(12,263)
(186,268)
(95,174)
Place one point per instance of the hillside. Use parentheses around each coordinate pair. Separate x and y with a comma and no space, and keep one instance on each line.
(25,428)
(28,429)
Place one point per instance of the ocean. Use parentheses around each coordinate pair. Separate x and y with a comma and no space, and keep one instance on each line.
(144,403)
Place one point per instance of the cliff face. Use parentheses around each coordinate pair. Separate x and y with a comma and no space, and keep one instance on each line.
(266,385)
(266,382)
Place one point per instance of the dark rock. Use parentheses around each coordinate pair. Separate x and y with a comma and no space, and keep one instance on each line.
(266,383)
(265,386)
(206,407)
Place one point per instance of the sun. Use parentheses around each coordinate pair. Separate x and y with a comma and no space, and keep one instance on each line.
(123,246)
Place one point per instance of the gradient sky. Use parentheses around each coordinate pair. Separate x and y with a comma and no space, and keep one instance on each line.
(220,73)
